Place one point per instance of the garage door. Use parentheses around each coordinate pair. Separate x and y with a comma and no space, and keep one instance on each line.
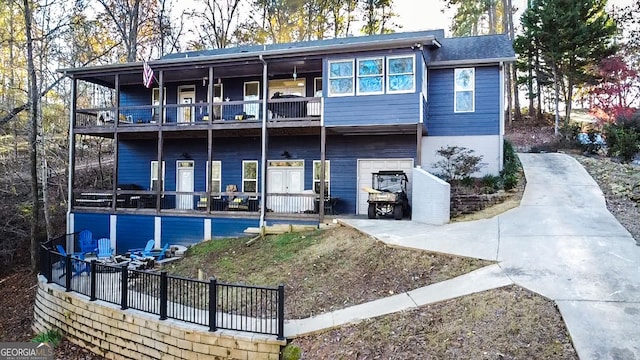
(366,167)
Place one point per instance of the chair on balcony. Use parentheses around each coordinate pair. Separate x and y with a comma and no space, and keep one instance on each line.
(104,249)
(288,109)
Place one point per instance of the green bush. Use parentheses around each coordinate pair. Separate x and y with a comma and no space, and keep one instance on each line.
(622,142)
(291,352)
(53,336)
(491,181)
(510,168)
(458,163)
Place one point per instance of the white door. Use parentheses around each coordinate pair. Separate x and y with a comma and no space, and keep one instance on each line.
(184,183)
(287,180)
(252,92)
(186,95)
(366,167)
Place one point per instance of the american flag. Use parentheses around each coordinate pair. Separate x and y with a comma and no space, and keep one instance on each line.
(147,75)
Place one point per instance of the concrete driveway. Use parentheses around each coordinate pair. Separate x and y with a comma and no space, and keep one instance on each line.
(562,243)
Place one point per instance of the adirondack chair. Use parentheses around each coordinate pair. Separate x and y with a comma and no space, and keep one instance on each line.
(79,266)
(87,243)
(104,249)
(148,251)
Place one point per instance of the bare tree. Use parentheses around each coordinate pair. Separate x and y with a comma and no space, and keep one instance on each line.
(218,22)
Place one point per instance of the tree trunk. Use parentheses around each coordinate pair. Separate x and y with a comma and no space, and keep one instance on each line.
(507,67)
(514,72)
(568,101)
(556,98)
(33,134)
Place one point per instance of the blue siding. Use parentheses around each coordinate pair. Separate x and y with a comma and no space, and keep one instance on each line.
(133,231)
(182,230)
(442,120)
(98,224)
(222,227)
(372,110)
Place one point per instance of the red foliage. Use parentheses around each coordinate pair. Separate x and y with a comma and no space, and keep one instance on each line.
(614,93)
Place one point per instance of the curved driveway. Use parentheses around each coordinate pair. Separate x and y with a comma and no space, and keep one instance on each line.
(562,243)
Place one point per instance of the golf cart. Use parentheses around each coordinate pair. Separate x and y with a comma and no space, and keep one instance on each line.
(388,195)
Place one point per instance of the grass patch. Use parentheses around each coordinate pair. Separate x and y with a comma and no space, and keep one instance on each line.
(322,270)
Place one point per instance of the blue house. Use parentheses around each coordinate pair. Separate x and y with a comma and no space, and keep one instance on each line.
(243,137)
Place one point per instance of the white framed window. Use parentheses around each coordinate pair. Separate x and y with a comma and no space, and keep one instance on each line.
(341,77)
(317,87)
(155,101)
(464,93)
(370,76)
(401,74)
(316,176)
(153,186)
(252,93)
(216,176)
(250,176)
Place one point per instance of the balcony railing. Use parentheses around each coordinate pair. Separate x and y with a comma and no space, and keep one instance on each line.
(278,109)
(197,202)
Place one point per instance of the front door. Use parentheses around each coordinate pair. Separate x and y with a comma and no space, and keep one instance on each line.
(186,96)
(184,183)
(252,93)
(286,180)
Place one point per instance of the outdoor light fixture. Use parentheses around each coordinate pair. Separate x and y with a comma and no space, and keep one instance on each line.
(286,155)
(295,74)
(204,81)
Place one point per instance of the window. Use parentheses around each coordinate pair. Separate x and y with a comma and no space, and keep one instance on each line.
(216,177)
(341,78)
(154,176)
(464,95)
(400,74)
(317,87)
(370,75)
(155,100)
(250,176)
(316,176)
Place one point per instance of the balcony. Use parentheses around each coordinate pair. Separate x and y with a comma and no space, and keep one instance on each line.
(232,204)
(282,111)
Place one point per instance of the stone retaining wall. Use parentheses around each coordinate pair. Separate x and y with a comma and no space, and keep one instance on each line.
(470,203)
(129,334)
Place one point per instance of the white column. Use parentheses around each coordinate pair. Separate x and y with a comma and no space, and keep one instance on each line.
(70,230)
(207,229)
(157,232)
(113,227)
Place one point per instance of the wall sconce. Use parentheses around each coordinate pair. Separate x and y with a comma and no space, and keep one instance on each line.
(295,74)
(185,155)
(286,155)
(204,81)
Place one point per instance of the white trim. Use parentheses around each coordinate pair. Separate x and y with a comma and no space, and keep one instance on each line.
(329,78)
(252,107)
(207,229)
(247,179)
(313,175)
(467,62)
(113,229)
(192,113)
(413,72)
(153,174)
(322,111)
(154,101)
(210,171)
(420,107)
(456,90)
(358,76)
(358,175)
(157,232)
(70,243)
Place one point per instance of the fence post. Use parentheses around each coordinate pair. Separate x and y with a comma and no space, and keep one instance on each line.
(124,288)
(163,295)
(281,312)
(213,304)
(92,296)
(68,272)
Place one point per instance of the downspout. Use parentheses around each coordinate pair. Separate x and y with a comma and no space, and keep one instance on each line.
(263,158)
(502,119)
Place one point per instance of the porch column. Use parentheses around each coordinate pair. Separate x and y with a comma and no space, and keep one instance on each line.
(263,165)
(210,141)
(418,145)
(323,144)
(114,199)
(161,119)
(72,154)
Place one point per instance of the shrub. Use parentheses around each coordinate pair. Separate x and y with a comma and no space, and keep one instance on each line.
(53,336)
(511,167)
(291,352)
(625,143)
(458,163)
(491,181)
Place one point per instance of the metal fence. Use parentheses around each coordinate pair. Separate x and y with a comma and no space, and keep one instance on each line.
(210,303)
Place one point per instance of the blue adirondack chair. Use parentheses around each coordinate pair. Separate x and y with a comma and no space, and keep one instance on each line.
(104,249)
(148,251)
(87,243)
(79,267)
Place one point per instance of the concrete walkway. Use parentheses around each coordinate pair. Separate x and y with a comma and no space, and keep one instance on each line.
(561,243)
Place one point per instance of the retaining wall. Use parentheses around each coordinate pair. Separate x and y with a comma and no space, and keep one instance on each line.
(107,330)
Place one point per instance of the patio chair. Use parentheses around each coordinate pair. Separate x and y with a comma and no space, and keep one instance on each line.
(79,265)
(148,251)
(87,243)
(104,249)
(140,252)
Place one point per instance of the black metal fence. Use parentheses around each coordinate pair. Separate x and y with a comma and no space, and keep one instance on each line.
(210,303)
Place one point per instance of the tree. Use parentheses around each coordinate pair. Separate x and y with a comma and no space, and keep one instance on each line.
(218,22)
(377,17)
(570,37)
(477,17)
(616,88)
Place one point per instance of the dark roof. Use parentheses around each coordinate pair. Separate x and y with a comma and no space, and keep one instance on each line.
(471,48)
(351,40)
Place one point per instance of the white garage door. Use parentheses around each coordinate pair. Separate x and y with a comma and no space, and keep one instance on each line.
(366,167)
